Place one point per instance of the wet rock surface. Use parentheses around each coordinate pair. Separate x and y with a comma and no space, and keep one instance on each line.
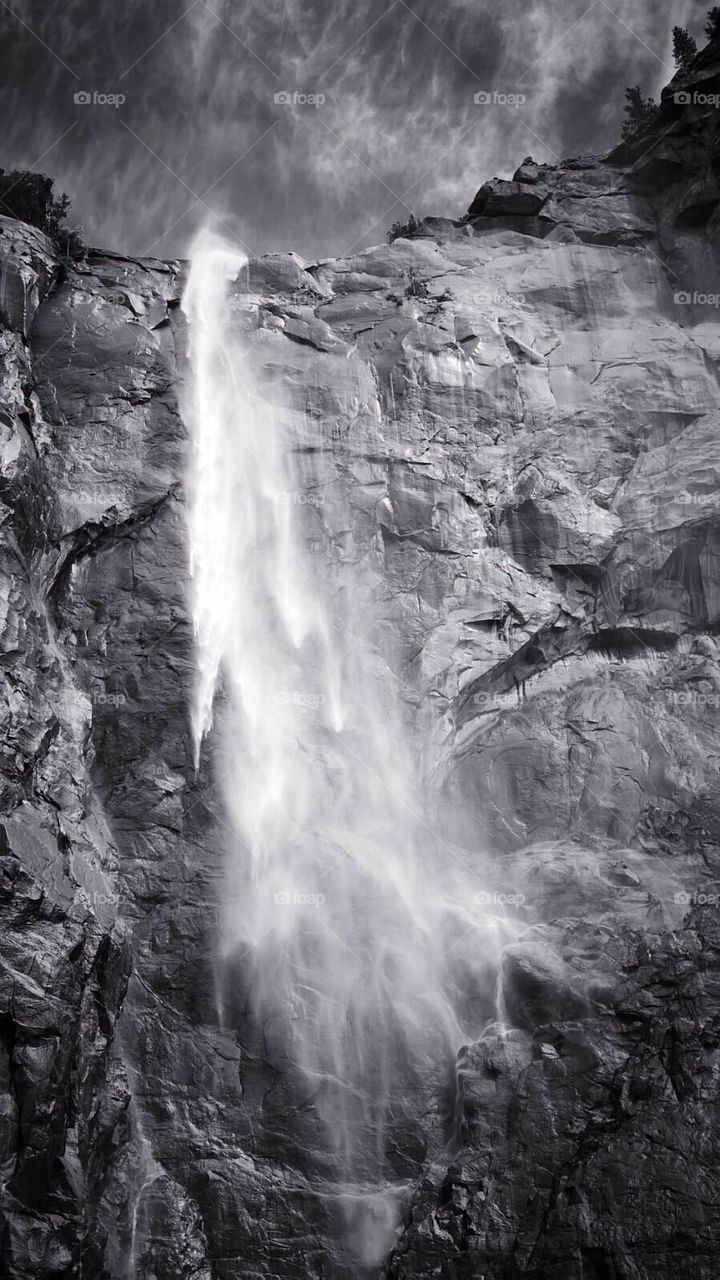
(590,1142)
(507,439)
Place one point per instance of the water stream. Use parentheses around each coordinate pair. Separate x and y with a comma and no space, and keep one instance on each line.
(342,903)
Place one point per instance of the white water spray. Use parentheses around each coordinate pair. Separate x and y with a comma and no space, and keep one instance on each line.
(341,909)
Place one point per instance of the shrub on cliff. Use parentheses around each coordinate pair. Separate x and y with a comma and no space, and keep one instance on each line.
(712,26)
(404,230)
(29,197)
(639,113)
(70,244)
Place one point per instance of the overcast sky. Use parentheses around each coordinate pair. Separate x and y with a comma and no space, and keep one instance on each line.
(201,135)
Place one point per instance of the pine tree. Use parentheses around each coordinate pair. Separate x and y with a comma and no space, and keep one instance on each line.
(684,47)
(640,113)
(712,26)
(29,197)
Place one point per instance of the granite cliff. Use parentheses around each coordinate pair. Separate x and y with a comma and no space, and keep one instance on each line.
(523,410)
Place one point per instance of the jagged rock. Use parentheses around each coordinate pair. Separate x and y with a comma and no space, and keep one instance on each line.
(584,198)
(536,987)
(512,198)
(584,1152)
(513,423)
(28,269)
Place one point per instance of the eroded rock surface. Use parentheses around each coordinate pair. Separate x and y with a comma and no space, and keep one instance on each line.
(507,428)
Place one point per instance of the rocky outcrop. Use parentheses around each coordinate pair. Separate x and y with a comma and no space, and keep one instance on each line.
(64,958)
(586,1149)
(508,426)
(580,200)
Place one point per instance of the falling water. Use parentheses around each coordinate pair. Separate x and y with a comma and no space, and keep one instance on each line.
(341,905)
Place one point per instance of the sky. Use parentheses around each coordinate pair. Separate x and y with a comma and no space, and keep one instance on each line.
(310,125)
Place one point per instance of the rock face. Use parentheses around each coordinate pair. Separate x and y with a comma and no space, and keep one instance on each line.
(519,415)
(65,959)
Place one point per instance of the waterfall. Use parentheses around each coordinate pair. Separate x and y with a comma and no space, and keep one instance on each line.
(342,903)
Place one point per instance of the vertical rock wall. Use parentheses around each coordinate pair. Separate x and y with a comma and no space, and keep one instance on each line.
(509,429)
